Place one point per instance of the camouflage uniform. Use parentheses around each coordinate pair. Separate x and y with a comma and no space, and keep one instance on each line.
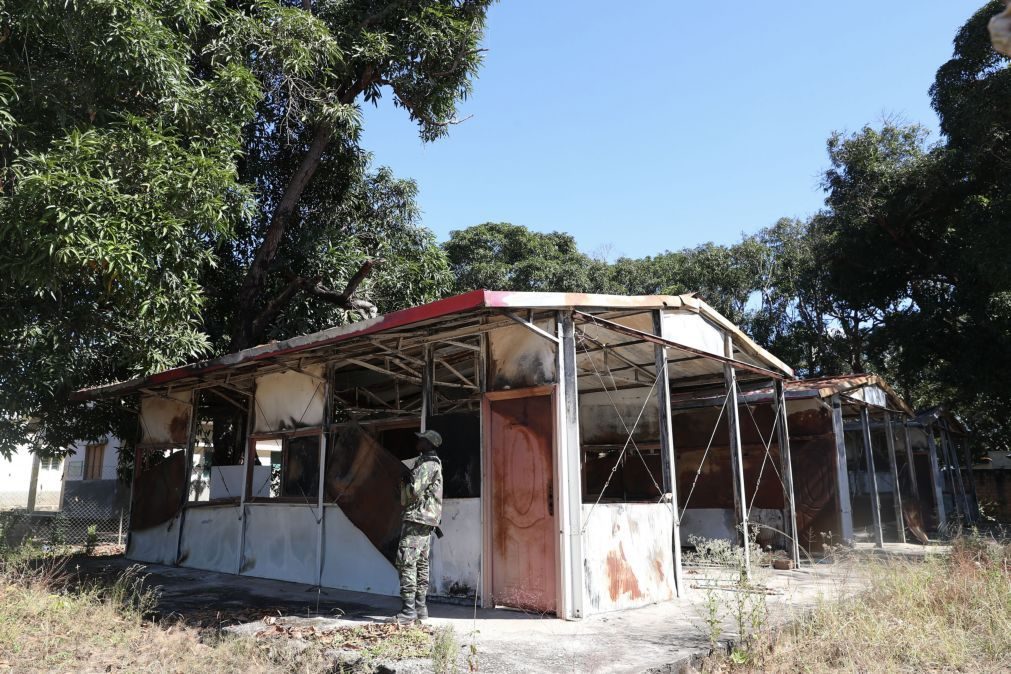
(422,498)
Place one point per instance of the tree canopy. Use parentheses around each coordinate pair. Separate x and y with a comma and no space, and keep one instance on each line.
(183,178)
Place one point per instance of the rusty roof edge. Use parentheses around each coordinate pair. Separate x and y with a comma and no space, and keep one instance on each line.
(475,299)
(471,301)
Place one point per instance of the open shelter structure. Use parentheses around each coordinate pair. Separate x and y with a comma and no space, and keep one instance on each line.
(863,464)
(283,461)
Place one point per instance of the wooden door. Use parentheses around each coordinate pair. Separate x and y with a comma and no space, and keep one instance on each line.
(520,442)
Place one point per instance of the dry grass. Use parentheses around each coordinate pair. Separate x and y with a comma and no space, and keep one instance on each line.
(50,622)
(950,613)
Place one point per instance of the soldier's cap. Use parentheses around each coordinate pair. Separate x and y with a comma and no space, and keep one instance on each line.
(431,436)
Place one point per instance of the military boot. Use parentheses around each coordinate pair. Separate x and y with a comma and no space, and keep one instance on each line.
(420,606)
(407,614)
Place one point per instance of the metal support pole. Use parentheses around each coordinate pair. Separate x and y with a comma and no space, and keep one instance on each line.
(33,483)
(955,475)
(894,465)
(247,472)
(910,461)
(484,564)
(427,388)
(865,424)
(842,473)
(786,468)
(667,456)
(321,522)
(190,445)
(570,470)
(936,478)
(736,457)
(972,502)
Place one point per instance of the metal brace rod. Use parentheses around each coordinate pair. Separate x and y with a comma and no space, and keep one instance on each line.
(605,351)
(531,326)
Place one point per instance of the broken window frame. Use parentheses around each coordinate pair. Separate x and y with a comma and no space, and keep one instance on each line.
(199,439)
(285,437)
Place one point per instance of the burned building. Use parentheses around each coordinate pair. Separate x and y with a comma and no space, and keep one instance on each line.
(283,461)
(863,465)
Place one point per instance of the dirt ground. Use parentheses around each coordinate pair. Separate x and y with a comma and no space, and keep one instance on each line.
(660,637)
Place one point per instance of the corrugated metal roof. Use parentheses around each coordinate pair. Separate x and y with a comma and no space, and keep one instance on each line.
(432,313)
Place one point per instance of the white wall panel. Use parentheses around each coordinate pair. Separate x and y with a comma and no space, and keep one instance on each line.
(289,399)
(281,542)
(210,538)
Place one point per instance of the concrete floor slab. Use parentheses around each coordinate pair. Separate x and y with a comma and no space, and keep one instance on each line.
(653,638)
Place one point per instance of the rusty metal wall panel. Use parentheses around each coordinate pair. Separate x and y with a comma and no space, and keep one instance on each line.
(812,445)
(351,561)
(523,521)
(714,488)
(363,478)
(289,399)
(815,488)
(165,419)
(520,358)
(210,539)
(628,555)
(280,542)
(157,489)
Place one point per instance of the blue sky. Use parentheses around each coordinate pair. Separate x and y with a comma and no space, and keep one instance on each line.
(644,126)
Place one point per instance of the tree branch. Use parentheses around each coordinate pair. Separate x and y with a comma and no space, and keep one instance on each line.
(252,284)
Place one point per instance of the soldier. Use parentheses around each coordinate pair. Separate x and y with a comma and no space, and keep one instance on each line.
(421,496)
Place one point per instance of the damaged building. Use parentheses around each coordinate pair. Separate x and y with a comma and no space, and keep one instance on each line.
(283,461)
(864,466)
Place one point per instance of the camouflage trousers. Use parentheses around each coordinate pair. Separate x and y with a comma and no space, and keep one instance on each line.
(412,561)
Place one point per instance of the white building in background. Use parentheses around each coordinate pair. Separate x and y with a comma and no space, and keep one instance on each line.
(87,475)
(20,472)
(90,481)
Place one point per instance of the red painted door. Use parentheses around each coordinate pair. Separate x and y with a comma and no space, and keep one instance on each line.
(521,433)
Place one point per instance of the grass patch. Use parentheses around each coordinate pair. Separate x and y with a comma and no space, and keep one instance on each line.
(947,613)
(52,620)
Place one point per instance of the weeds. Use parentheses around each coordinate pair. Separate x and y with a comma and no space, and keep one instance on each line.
(53,620)
(91,540)
(444,651)
(950,612)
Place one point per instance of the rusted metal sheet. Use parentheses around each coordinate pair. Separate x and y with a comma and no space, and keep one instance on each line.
(815,486)
(165,419)
(812,448)
(520,358)
(289,399)
(363,478)
(629,557)
(157,489)
(523,521)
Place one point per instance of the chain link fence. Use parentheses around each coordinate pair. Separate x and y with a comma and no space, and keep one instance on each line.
(74,512)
